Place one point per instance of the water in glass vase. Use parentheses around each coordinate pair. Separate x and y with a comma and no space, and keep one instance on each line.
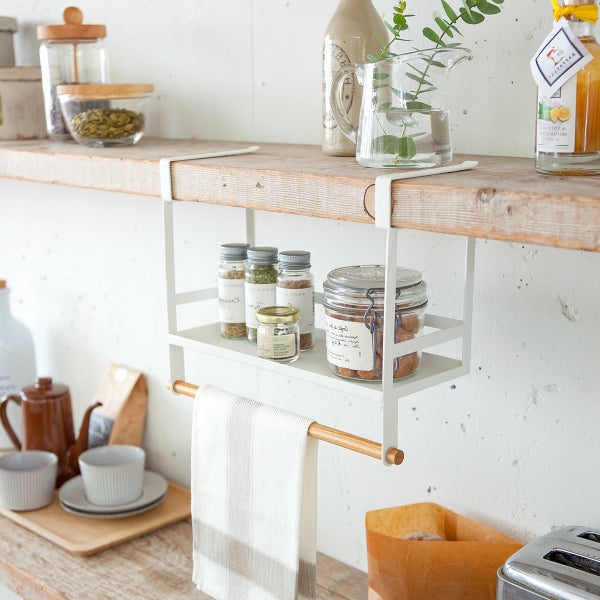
(407,138)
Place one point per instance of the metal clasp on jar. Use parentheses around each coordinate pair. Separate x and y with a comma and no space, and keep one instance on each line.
(370,320)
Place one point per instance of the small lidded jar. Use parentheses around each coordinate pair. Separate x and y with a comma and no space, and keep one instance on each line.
(70,53)
(259,289)
(278,333)
(295,287)
(354,303)
(230,289)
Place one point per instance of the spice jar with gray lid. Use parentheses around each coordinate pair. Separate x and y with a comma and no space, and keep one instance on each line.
(259,288)
(70,53)
(8,26)
(354,303)
(230,289)
(295,287)
(278,333)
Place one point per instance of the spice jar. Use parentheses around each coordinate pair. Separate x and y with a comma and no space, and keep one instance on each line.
(295,287)
(230,290)
(8,26)
(70,53)
(259,287)
(278,333)
(354,302)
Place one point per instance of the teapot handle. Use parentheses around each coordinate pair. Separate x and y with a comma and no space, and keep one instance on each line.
(4,418)
(348,128)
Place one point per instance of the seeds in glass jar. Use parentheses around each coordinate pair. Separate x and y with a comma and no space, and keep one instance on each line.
(107,123)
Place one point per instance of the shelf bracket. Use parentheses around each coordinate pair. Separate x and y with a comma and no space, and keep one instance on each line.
(176,358)
(390,350)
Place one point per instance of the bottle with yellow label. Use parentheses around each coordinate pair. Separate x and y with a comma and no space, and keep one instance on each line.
(568,122)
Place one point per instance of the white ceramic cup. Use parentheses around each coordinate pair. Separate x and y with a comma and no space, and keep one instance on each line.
(27,479)
(112,475)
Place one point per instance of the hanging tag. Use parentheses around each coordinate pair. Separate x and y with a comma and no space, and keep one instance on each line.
(559,58)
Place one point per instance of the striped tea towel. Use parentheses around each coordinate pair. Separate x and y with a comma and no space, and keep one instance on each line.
(253,500)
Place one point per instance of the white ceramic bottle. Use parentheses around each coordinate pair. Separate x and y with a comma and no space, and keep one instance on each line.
(354,31)
(17,360)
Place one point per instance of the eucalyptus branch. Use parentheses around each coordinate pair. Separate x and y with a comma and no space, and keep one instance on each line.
(471,12)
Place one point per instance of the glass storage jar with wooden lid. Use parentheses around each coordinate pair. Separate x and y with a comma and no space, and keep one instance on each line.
(354,303)
(72,52)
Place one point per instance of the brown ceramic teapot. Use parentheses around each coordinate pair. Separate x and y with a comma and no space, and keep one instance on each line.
(48,424)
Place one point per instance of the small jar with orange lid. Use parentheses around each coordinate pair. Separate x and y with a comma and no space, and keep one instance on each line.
(70,53)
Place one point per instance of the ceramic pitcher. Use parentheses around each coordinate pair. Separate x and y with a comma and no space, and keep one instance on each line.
(404,121)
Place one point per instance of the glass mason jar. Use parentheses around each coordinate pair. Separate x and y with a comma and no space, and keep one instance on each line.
(295,287)
(230,289)
(259,287)
(69,53)
(354,302)
(278,333)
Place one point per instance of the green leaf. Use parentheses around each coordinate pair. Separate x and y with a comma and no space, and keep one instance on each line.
(384,106)
(380,75)
(432,36)
(418,106)
(471,17)
(408,148)
(416,78)
(486,8)
(444,26)
(449,11)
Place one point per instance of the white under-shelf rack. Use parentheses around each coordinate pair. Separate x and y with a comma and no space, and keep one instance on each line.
(312,366)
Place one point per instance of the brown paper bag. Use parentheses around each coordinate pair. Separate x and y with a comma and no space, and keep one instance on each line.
(427,552)
(121,418)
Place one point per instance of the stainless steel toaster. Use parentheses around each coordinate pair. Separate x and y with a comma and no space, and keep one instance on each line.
(561,565)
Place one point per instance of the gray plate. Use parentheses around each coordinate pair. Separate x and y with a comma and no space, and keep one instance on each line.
(72,495)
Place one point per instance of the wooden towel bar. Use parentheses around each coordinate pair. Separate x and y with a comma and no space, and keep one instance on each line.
(393,456)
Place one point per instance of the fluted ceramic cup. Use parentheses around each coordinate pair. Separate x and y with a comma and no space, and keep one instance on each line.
(112,475)
(27,479)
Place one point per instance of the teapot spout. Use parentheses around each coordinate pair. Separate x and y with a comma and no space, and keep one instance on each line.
(81,443)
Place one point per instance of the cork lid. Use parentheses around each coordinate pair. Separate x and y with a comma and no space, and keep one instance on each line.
(2,284)
(73,28)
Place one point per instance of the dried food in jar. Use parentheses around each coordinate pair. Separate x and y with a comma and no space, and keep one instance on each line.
(354,307)
(295,287)
(107,123)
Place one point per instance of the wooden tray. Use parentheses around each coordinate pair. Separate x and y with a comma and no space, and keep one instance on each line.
(85,536)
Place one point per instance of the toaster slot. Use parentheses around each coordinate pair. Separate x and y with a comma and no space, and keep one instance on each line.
(575,561)
(592,536)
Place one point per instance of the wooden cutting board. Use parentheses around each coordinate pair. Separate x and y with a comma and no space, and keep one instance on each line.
(85,536)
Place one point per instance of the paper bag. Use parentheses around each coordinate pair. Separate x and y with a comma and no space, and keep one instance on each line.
(427,552)
(121,418)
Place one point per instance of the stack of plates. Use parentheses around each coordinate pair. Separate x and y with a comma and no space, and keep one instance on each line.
(72,498)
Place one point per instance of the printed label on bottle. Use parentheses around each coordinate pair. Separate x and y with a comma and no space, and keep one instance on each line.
(232,308)
(303,300)
(349,344)
(559,58)
(334,58)
(556,119)
(258,295)
(276,346)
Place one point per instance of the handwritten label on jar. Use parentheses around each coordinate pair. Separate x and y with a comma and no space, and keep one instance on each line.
(231,300)
(258,295)
(303,299)
(349,344)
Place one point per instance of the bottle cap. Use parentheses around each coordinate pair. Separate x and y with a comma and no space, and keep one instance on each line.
(73,28)
(294,259)
(262,255)
(233,251)
(274,315)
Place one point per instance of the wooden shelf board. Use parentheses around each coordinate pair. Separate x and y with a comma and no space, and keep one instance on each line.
(503,198)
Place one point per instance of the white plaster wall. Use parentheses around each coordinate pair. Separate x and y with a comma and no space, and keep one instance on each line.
(514,444)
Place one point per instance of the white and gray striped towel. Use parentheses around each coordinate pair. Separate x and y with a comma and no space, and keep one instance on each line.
(253,500)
